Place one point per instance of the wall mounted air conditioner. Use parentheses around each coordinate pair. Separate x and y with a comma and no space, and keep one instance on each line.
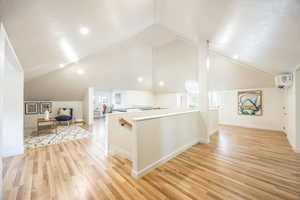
(284,80)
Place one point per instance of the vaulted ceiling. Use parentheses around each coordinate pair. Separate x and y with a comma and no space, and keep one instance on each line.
(41,30)
(45,34)
(264,34)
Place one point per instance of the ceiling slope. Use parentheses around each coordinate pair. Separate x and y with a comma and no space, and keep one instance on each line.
(40,30)
(116,68)
(228,74)
(120,66)
(264,34)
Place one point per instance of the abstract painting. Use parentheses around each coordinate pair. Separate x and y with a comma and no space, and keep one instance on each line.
(250,102)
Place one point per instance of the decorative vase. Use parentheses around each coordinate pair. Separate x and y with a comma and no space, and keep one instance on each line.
(46,115)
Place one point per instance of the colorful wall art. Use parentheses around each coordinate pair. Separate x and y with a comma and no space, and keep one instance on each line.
(250,103)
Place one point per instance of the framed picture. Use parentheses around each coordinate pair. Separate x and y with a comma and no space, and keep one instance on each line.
(45,106)
(250,103)
(31,108)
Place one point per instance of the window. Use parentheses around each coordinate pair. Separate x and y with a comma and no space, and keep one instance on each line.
(192,88)
(104,100)
(118,98)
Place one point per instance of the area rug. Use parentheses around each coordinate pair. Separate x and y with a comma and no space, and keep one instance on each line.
(64,133)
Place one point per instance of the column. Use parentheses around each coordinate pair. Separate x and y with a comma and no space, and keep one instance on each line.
(203,85)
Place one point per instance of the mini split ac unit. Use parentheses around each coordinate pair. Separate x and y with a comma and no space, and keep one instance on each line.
(284,80)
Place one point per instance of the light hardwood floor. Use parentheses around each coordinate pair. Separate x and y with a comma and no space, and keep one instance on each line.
(238,164)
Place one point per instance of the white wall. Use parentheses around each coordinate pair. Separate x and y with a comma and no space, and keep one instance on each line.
(13,112)
(168,100)
(228,74)
(119,137)
(138,98)
(213,121)
(31,120)
(272,118)
(290,114)
(88,106)
(297,85)
(12,100)
(160,138)
(292,118)
(1,101)
(174,63)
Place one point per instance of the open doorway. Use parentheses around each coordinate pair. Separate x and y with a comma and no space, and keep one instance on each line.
(102,102)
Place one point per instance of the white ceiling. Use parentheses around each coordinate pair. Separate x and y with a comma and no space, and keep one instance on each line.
(118,67)
(37,28)
(156,35)
(265,34)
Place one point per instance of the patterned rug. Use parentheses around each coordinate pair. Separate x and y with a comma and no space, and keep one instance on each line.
(64,133)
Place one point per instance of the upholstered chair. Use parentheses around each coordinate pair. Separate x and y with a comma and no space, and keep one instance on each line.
(64,115)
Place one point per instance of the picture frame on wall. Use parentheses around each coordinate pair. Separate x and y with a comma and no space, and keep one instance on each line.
(250,103)
(31,108)
(44,106)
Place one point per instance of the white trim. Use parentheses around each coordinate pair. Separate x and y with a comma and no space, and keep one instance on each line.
(296,150)
(1,104)
(204,140)
(252,127)
(213,131)
(149,168)
(13,152)
(164,115)
(288,136)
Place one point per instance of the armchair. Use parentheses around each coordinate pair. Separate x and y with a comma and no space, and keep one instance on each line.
(64,115)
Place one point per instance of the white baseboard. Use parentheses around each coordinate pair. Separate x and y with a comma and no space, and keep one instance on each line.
(204,140)
(213,131)
(290,141)
(13,152)
(251,127)
(296,150)
(149,168)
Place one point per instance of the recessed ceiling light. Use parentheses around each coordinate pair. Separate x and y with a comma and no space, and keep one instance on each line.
(161,83)
(140,79)
(68,50)
(236,56)
(84,30)
(61,65)
(80,71)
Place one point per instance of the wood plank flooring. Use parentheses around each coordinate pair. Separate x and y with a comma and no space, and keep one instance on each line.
(238,164)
